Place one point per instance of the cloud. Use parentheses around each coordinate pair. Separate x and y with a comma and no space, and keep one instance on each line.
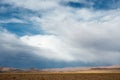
(46,5)
(15,53)
(34,4)
(70,34)
(11,44)
(50,46)
(13,20)
(89,36)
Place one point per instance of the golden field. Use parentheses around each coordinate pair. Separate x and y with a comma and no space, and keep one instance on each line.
(60,76)
(104,73)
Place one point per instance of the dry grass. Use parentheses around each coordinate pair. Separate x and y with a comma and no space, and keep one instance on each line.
(60,76)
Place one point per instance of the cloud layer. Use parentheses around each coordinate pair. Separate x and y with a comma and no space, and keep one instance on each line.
(71,34)
(88,39)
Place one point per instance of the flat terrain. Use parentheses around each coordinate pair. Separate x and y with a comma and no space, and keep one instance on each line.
(60,76)
(99,73)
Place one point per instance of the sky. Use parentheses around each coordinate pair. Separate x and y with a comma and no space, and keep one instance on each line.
(59,33)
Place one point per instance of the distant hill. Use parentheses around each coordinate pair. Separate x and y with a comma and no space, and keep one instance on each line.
(70,69)
(86,69)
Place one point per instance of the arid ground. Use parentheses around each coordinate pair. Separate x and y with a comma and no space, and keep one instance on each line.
(61,74)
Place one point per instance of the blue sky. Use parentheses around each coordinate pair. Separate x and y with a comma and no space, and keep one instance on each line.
(59,33)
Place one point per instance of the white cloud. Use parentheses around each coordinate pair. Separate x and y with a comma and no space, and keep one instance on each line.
(50,46)
(11,44)
(13,20)
(34,4)
(74,34)
(90,36)
(41,4)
